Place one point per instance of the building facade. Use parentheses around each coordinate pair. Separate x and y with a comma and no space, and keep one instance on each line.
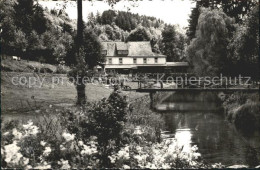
(133,57)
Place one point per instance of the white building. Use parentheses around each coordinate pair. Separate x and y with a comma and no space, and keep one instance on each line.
(132,57)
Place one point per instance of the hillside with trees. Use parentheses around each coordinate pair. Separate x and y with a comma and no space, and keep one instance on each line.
(48,36)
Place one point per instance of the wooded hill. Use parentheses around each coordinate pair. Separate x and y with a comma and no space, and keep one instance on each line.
(44,35)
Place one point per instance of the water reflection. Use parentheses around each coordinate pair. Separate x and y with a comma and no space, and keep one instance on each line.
(183,139)
(217,140)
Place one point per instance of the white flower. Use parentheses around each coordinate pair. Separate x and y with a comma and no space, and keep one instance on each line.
(62,148)
(196,155)
(138,130)
(43,143)
(138,148)
(17,135)
(68,137)
(124,153)
(25,161)
(126,167)
(12,153)
(80,143)
(112,159)
(28,167)
(138,158)
(30,129)
(64,164)
(47,151)
(44,166)
(88,150)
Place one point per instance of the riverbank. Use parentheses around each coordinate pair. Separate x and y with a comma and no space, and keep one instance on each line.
(242,109)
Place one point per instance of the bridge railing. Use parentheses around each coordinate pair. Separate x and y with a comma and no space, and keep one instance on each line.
(195,83)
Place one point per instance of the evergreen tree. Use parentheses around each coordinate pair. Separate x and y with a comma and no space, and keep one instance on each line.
(23,15)
(169,43)
(39,22)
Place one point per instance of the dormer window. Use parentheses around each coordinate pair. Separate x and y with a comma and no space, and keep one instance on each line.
(104,52)
(122,52)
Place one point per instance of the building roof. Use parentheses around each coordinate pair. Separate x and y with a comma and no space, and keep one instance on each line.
(135,49)
(121,46)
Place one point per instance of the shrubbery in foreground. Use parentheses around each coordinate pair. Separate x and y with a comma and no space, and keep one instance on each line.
(97,136)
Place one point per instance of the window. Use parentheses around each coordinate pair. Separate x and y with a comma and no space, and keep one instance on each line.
(125,52)
(145,60)
(155,60)
(110,61)
(134,60)
(104,52)
(120,61)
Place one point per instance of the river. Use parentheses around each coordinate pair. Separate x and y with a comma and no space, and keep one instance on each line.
(201,123)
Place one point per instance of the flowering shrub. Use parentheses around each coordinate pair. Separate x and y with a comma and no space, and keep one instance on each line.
(100,135)
(21,147)
(164,155)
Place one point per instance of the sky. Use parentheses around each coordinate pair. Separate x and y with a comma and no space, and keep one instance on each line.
(170,11)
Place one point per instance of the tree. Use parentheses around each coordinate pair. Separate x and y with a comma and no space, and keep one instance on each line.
(207,53)
(108,17)
(169,43)
(81,63)
(23,15)
(139,34)
(244,47)
(38,20)
(8,27)
(80,86)
(193,22)
(236,9)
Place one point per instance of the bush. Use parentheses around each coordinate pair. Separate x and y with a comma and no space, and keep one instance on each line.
(99,135)
(246,118)
(25,147)
(104,119)
(61,70)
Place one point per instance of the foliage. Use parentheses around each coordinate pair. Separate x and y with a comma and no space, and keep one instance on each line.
(139,34)
(243,110)
(34,33)
(127,21)
(246,118)
(78,137)
(207,53)
(243,49)
(164,155)
(25,147)
(236,9)
(169,42)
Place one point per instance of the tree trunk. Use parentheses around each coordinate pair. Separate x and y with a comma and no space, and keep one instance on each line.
(79,25)
(80,86)
(81,93)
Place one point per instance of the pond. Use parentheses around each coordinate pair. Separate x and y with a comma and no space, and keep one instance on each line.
(218,141)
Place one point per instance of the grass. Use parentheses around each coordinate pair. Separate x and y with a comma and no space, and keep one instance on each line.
(22,101)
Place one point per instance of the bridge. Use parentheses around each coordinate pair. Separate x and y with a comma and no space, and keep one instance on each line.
(193,86)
